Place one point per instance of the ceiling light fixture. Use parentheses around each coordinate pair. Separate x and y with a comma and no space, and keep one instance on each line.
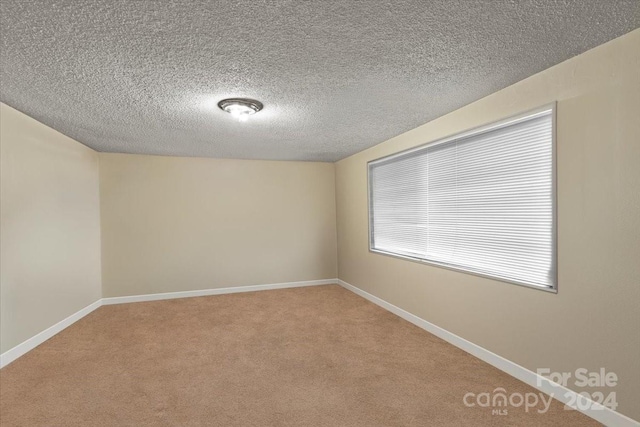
(240,108)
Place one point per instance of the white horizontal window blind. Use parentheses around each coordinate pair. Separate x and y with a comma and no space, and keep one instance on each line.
(482,202)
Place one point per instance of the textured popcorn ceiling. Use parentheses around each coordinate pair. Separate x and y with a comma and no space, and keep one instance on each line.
(336,76)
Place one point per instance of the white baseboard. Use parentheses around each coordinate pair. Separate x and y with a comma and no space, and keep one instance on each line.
(19,350)
(28,345)
(563,394)
(218,291)
(596,411)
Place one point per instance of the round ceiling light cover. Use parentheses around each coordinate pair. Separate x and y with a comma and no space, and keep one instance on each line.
(241,108)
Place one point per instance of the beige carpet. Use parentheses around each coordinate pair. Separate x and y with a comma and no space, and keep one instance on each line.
(318,356)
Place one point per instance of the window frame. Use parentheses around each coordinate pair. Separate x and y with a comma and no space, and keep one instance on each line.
(529,114)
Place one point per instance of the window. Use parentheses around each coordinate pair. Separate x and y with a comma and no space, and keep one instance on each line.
(482,201)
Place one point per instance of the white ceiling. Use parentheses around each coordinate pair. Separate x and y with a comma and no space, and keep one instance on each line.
(336,76)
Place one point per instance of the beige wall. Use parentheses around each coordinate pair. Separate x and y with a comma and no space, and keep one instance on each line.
(594,320)
(49,227)
(176,224)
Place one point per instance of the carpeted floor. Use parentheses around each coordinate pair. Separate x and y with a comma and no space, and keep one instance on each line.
(317,356)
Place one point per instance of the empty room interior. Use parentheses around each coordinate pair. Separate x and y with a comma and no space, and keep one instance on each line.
(320,213)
